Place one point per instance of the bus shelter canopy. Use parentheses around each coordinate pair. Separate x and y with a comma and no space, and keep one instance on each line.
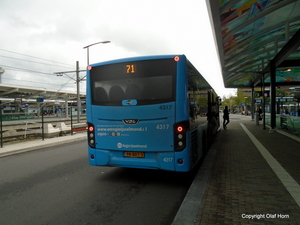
(9,93)
(250,33)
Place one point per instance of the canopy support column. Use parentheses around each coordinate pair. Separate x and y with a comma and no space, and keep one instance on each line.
(273,93)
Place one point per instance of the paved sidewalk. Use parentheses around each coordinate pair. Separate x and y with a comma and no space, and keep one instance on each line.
(10,149)
(254,177)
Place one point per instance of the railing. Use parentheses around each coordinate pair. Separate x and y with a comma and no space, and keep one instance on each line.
(9,117)
(290,124)
(20,129)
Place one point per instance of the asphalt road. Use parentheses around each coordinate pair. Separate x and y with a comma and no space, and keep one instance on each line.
(57,186)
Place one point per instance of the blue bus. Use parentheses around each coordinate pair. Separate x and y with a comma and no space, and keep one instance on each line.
(152,112)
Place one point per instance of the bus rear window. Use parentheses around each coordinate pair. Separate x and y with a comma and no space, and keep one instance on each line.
(148,82)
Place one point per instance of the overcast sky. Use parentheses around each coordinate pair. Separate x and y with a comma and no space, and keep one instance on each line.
(57,30)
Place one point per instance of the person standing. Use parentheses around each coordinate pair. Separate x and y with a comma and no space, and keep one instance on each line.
(259,110)
(225,117)
(215,118)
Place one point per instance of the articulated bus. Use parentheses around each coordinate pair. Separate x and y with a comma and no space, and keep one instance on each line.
(154,112)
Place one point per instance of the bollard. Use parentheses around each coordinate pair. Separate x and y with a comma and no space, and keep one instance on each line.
(257,118)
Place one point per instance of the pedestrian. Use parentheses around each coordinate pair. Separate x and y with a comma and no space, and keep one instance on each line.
(225,117)
(215,118)
(259,110)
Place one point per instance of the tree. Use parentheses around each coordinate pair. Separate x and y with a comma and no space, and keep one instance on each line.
(235,102)
(229,101)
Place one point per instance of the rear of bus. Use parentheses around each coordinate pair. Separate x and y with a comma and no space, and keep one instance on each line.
(137,113)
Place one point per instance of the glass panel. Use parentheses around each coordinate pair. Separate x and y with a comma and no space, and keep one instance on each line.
(148,82)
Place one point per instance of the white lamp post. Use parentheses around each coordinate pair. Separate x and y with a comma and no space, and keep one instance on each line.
(87,47)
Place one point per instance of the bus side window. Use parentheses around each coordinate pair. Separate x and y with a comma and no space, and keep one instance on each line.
(116,93)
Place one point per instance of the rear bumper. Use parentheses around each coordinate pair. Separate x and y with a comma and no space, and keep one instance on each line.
(152,160)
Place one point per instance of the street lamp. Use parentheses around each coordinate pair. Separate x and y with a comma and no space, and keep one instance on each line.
(87,47)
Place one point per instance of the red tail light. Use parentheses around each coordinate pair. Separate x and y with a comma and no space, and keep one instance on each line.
(180,161)
(179,128)
(180,135)
(91,135)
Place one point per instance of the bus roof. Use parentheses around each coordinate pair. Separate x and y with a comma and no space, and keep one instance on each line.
(137,58)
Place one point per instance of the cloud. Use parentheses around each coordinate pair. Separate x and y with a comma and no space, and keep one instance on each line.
(140,41)
(59,29)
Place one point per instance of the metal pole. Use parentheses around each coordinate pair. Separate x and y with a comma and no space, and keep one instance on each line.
(67,106)
(1,126)
(87,47)
(273,93)
(1,72)
(253,104)
(88,57)
(71,121)
(78,92)
(264,101)
(42,123)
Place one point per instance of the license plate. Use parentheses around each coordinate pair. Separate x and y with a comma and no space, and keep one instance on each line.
(134,154)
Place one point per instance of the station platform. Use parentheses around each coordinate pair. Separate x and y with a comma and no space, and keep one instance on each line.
(249,176)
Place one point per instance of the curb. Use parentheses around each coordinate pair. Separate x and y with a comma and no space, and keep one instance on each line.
(41,146)
(189,209)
